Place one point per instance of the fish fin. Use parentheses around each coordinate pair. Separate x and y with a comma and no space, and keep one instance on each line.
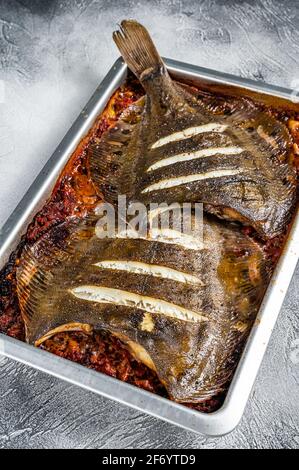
(269,144)
(245,272)
(35,275)
(259,128)
(104,168)
(137,48)
(107,159)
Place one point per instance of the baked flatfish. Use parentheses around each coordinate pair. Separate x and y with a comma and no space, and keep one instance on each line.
(182,305)
(171,147)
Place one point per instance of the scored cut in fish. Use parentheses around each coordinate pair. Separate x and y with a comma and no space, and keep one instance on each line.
(171,147)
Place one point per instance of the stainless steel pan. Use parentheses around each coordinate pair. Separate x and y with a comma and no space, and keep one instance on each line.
(228,416)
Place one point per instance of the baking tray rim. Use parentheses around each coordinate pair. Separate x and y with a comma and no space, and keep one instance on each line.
(228,416)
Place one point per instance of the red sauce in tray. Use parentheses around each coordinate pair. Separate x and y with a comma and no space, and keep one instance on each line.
(74,194)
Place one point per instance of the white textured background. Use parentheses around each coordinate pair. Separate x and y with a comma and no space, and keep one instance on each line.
(52,56)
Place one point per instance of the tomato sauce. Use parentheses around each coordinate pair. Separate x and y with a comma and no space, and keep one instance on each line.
(75,195)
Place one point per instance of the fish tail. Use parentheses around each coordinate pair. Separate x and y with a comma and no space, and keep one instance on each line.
(138,49)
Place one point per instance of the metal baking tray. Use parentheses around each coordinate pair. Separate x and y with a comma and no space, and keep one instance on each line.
(227,417)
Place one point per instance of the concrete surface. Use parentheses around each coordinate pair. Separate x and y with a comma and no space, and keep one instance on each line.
(52,56)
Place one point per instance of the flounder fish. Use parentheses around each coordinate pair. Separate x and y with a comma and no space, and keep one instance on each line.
(182,307)
(173,148)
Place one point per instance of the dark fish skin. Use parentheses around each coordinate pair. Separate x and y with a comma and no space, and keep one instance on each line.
(193,359)
(254,185)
